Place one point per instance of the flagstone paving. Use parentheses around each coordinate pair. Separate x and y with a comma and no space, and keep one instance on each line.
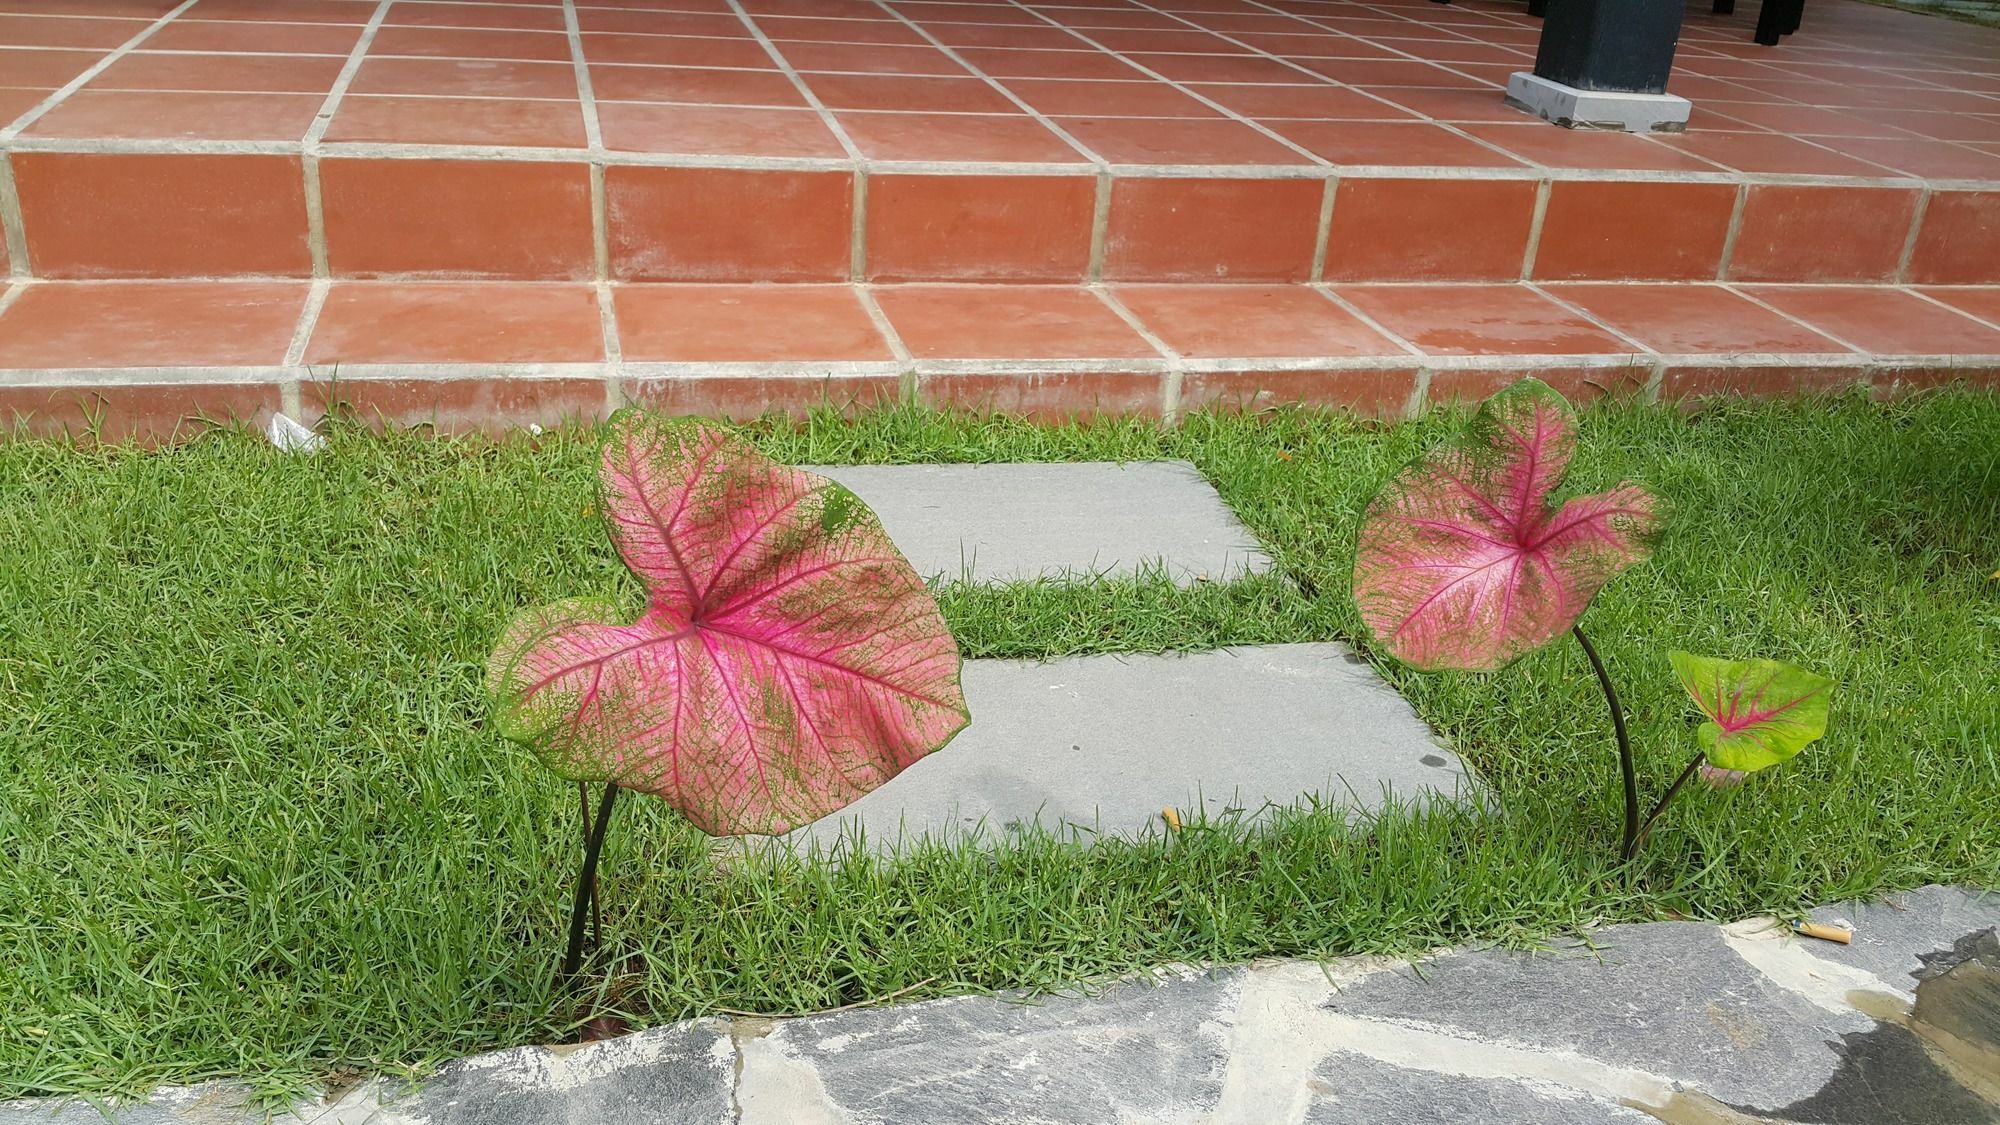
(994,523)
(1681,1022)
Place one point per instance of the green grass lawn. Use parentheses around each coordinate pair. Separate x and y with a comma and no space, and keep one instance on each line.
(254,824)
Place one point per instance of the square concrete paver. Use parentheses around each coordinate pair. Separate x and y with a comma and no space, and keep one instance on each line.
(1106,742)
(997,523)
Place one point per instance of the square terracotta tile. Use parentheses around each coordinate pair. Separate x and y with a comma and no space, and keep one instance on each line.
(869,58)
(813,29)
(1228,321)
(1049,64)
(1153,140)
(745,397)
(43,69)
(1798,120)
(1390,72)
(1579,384)
(1938,160)
(457,322)
(1980,301)
(1459,105)
(162,215)
(463,43)
(694,84)
(1008,322)
(457,218)
(14,103)
(274,74)
(1174,229)
(664,50)
(458,406)
(255,37)
(1429,229)
(1536,142)
(303,11)
(1822,233)
(1481,319)
(1215,68)
(745,324)
(1077,97)
(63,31)
(1012,36)
(462,121)
(466,78)
(506,16)
(1692,381)
(1763,152)
(1369,392)
(1882,320)
(944,136)
(150,324)
(1684,318)
(909,92)
(164,115)
(1612,230)
(1271,104)
(716,130)
(979,228)
(1391,143)
(688,224)
(722,24)
(1048,396)
(1177,41)
(1959,242)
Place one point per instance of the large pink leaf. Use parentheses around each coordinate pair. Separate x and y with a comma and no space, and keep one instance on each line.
(788,661)
(1463,564)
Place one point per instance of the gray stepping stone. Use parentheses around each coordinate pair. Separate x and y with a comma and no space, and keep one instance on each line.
(1896,937)
(1106,742)
(1352,1089)
(997,523)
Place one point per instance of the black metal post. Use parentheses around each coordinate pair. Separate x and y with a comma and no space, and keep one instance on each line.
(1616,45)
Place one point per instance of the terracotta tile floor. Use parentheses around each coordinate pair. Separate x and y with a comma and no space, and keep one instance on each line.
(1859,91)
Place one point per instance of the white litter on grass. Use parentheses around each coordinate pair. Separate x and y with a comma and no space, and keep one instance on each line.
(293,436)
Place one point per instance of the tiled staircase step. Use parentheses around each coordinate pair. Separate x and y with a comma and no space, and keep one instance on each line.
(143,357)
(994,523)
(1105,743)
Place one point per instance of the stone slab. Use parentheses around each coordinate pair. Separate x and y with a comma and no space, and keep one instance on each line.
(1105,742)
(1597,109)
(998,523)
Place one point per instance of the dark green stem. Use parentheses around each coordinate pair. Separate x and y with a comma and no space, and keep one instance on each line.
(596,907)
(573,959)
(1646,828)
(1625,764)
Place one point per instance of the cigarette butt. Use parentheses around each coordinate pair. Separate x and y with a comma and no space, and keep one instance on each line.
(1172,818)
(1825,933)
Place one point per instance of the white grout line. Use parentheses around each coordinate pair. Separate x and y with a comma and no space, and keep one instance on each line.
(309,145)
(1736,210)
(1354,310)
(13,231)
(1917,217)
(906,368)
(1100,226)
(1529,253)
(1040,118)
(13,292)
(93,70)
(784,65)
(607,319)
(315,303)
(1170,386)
(857,231)
(1323,229)
(593,134)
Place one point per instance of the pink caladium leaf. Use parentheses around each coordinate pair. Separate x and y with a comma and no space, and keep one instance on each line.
(1760,712)
(788,659)
(1463,564)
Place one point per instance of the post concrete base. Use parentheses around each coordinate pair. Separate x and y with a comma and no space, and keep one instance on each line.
(1597,109)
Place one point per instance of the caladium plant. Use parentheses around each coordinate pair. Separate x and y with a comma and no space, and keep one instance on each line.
(1463,562)
(788,659)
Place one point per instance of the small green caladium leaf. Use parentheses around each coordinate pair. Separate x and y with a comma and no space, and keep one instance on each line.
(1760,712)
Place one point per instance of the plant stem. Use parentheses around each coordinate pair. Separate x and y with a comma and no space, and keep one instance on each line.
(1646,828)
(596,908)
(1625,764)
(573,959)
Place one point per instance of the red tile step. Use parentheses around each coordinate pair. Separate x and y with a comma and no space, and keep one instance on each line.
(155,358)
(968,140)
